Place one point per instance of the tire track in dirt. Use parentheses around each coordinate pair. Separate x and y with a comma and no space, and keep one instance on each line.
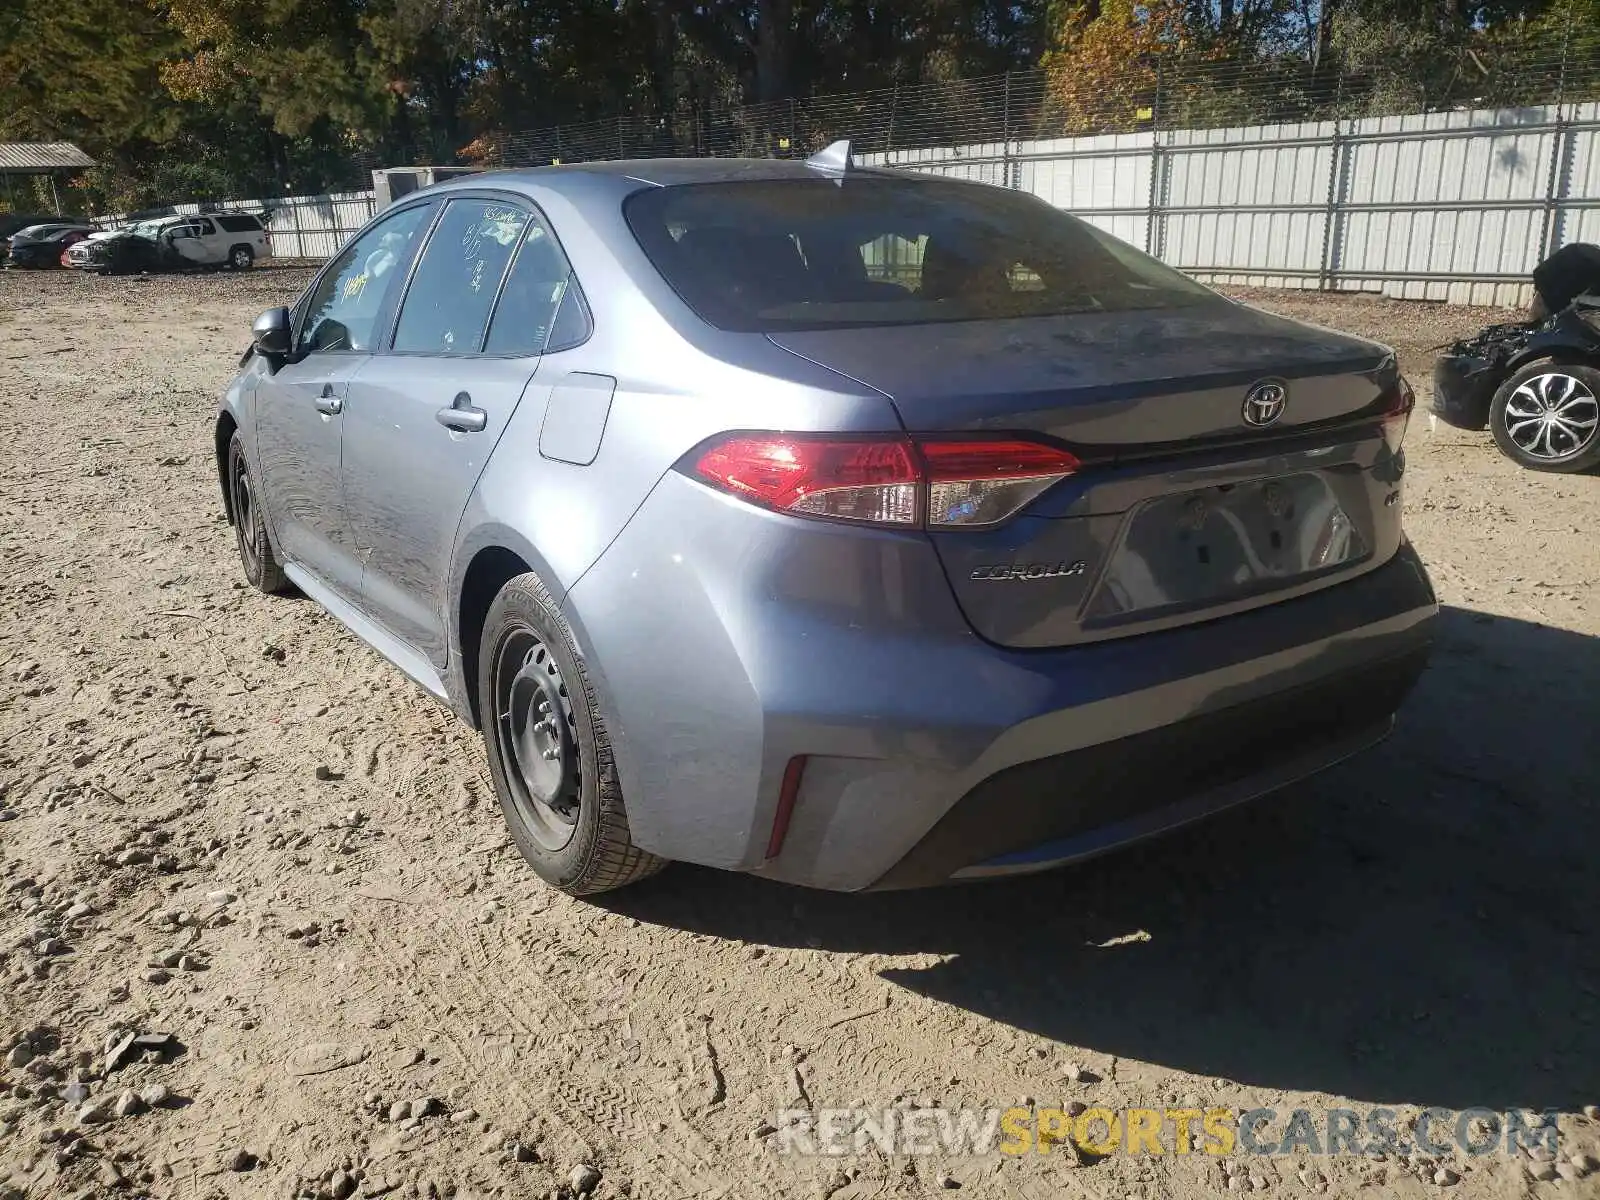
(202,712)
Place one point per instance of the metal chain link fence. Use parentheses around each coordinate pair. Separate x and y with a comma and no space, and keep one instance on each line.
(1045,104)
(1414,170)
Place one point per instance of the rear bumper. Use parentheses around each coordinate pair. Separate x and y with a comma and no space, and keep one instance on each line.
(1074,806)
(29,257)
(1463,387)
(718,659)
(1162,749)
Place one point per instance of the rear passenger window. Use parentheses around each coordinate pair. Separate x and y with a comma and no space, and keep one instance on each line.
(541,307)
(446,308)
(242,223)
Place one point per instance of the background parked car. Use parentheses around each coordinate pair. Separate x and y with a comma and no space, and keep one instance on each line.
(88,254)
(46,245)
(233,240)
(210,241)
(120,251)
(1536,383)
(11,223)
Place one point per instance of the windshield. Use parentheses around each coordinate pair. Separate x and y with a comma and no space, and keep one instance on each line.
(817,254)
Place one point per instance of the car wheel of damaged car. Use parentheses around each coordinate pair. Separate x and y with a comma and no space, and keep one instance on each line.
(1546,417)
(548,750)
(241,258)
(261,565)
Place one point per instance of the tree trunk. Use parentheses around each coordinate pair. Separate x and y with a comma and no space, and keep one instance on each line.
(774,22)
(1324,36)
(402,127)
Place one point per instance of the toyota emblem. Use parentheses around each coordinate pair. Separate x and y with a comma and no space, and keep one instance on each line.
(1265,402)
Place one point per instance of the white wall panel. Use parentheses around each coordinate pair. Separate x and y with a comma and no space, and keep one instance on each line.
(1486,199)
(1252,203)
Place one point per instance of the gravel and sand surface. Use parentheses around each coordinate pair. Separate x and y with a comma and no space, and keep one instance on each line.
(263,934)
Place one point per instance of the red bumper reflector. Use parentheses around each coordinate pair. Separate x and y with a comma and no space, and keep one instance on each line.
(787,792)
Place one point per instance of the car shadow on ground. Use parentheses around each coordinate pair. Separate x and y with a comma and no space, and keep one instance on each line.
(1418,926)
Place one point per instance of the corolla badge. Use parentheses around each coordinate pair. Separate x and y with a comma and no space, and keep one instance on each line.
(1029,572)
(1264,403)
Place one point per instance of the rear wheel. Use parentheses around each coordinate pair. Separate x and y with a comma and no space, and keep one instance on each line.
(1546,417)
(548,750)
(260,564)
(241,258)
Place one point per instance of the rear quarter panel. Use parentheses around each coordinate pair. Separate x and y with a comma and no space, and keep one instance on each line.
(678,382)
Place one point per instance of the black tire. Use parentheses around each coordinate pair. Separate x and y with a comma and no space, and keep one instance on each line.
(241,258)
(260,562)
(1542,443)
(555,779)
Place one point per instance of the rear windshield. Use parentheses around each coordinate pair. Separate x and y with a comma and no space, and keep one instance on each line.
(819,254)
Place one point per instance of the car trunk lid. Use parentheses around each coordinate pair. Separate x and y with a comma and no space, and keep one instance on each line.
(1183,510)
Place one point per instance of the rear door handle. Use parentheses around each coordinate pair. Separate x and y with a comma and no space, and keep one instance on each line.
(328,404)
(462,416)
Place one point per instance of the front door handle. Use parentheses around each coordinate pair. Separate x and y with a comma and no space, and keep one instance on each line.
(462,416)
(328,404)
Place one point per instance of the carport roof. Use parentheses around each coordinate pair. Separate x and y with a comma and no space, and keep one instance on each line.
(41,158)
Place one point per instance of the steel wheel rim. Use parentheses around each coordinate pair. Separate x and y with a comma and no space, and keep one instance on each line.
(240,259)
(244,517)
(1552,416)
(538,738)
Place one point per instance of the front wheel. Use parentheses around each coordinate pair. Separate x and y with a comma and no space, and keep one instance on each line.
(260,564)
(1546,417)
(548,751)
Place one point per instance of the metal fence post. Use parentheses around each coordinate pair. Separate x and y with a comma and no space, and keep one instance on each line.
(1330,211)
(1556,181)
(1152,243)
(894,105)
(1005,137)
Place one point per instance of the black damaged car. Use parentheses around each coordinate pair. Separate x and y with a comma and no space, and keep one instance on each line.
(46,245)
(125,252)
(1535,383)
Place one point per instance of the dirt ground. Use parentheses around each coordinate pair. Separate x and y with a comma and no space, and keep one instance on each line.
(223,819)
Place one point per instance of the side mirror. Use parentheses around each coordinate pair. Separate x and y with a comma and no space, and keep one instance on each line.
(270,333)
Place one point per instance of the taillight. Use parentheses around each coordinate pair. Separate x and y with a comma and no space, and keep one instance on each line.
(852,480)
(890,480)
(1397,414)
(983,483)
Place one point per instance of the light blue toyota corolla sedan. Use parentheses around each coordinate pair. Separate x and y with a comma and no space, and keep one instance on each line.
(849,528)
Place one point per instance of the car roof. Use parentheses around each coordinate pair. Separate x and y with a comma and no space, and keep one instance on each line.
(632,174)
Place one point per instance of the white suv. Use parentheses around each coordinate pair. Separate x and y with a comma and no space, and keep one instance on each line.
(230,239)
(224,239)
